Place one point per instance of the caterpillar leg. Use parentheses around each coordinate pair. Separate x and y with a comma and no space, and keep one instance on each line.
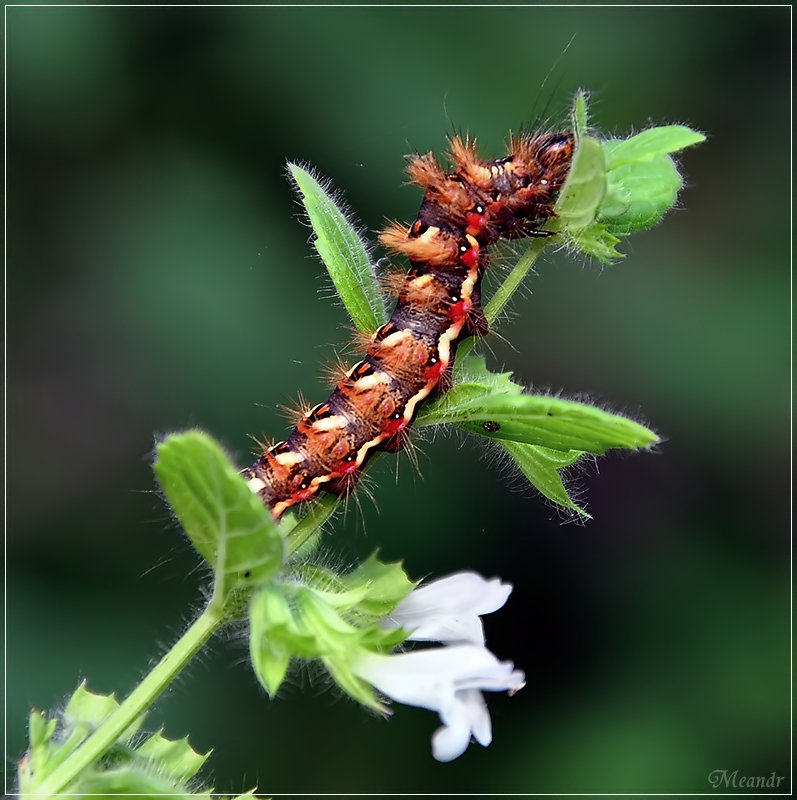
(476,323)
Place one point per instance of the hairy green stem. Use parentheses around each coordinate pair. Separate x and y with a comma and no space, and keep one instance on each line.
(318,514)
(136,703)
(514,279)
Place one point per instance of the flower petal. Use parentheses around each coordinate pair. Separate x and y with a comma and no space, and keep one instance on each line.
(467,716)
(447,628)
(460,592)
(479,717)
(438,671)
(447,610)
(419,678)
(448,680)
(449,743)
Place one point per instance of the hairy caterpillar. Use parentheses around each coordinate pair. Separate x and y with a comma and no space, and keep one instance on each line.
(439,302)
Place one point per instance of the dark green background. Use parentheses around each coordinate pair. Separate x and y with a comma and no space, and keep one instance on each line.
(158,279)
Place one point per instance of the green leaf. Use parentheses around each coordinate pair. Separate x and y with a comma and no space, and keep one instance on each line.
(172,757)
(550,422)
(543,434)
(578,114)
(343,252)
(274,637)
(643,180)
(320,578)
(85,711)
(34,765)
(40,731)
(471,380)
(339,667)
(337,595)
(473,370)
(542,468)
(317,614)
(639,195)
(86,708)
(492,405)
(649,144)
(618,186)
(384,586)
(225,520)
(134,782)
(317,617)
(585,187)
(596,242)
(366,594)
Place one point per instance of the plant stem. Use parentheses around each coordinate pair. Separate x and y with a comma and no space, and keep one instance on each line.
(515,278)
(318,514)
(136,703)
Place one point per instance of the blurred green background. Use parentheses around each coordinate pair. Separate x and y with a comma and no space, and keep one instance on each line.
(158,278)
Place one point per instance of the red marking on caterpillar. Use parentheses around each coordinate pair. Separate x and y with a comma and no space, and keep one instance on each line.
(462,214)
(460,309)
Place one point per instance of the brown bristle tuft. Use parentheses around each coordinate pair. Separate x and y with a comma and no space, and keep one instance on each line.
(262,445)
(468,164)
(434,248)
(394,235)
(296,410)
(524,146)
(463,151)
(360,341)
(336,371)
(391,283)
(424,170)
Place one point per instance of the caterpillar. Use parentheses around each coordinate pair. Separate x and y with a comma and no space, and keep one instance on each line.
(409,358)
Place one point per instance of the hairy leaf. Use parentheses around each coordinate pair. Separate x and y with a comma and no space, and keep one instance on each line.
(550,422)
(639,195)
(491,404)
(136,782)
(224,519)
(385,586)
(649,144)
(342,250)
(584,188)
(579,114)
(542,468)
(173,757)
(597,242)
(472,380)
(643,180)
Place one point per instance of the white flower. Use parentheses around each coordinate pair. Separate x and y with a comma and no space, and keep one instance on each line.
(448,609)
(447,680)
